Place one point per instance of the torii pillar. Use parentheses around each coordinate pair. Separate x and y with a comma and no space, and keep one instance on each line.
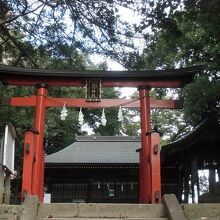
(145,169)
(39,124)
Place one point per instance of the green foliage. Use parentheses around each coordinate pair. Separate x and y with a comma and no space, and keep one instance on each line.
(130,125)
(90,26)
(203,182)
(183,36)
(202,99)
(184,33)
(93,116)
(58,133)
(170,123)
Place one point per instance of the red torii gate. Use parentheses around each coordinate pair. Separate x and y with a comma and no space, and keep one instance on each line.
(33,163)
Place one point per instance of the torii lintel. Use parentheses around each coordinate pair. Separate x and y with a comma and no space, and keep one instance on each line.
(174,78)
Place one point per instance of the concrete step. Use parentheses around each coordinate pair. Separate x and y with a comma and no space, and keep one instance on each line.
(10,212)
(91,211)
(8,217)
(202,211)
(207,218)
(105,218)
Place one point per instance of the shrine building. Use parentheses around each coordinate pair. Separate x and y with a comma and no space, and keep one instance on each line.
(106,169)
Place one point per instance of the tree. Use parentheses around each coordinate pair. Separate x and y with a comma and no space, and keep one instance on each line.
(170,122)
(202,98)
(91,26)
(184,33)
(131,122)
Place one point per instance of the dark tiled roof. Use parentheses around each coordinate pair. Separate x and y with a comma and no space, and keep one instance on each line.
(191,138)
(98,150)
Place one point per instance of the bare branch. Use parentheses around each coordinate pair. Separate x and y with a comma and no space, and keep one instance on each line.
(19,46)
(4,40)
(16,62)
(180,131)
(50,5)
(20,15)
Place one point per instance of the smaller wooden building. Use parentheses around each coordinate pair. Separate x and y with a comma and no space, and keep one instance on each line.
(95,169)
(182,159)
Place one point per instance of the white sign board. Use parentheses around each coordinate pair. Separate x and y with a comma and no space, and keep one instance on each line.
(47,198)
(9,147)
(111,192)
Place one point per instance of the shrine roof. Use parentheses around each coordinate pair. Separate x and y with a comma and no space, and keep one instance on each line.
(207,131)
(98,150)
(183,75)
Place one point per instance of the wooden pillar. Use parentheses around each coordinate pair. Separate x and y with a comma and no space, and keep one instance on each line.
(28,162)
(180,182)
(39,123)
(218,170)
(186,184)
(197,175)
(211,180)
(194,174)
(193,190)
(145,176)
(155,167)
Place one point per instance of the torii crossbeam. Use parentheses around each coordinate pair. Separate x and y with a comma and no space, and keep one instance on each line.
(33,164)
